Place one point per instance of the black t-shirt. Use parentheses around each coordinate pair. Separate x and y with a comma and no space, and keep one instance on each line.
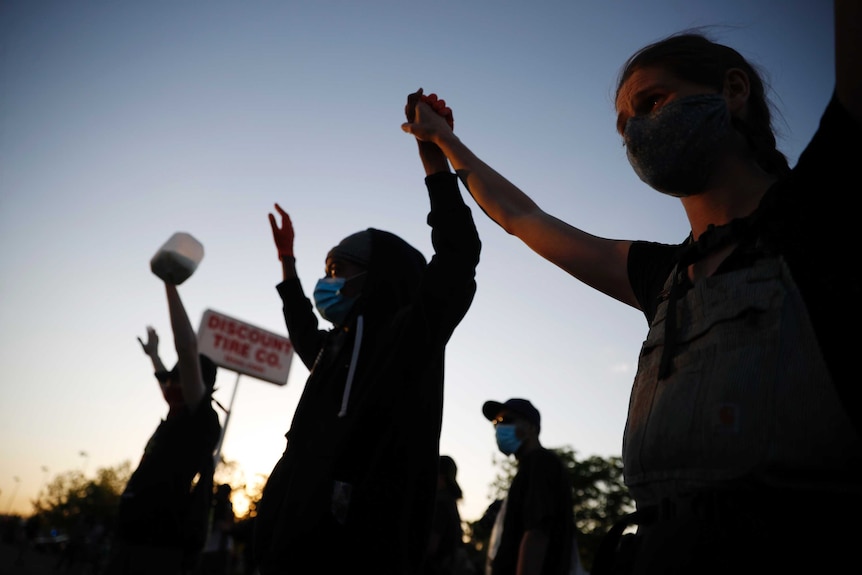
(540,497)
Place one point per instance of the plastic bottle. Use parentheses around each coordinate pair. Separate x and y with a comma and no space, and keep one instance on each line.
(178,258)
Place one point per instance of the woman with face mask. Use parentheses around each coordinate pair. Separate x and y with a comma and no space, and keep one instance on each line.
(743,430)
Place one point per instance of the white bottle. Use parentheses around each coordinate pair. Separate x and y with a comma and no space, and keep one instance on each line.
(177,259)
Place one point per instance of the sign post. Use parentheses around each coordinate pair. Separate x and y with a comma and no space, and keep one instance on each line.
(245,349)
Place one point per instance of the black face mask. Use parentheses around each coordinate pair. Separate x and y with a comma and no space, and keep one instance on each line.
(674,149)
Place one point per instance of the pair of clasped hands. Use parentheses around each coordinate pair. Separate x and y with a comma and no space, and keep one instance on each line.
(436,104)
(283,235)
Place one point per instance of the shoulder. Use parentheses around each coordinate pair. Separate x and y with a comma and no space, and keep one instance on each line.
(540,460)
(648,266)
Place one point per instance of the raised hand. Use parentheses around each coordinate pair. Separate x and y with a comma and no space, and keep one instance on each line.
(420,122)
(439,106)
(283,235)
(151,348)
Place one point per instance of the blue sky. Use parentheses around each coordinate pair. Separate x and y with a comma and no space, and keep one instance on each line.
(122,123)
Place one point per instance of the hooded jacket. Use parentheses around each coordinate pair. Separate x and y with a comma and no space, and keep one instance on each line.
(356,483)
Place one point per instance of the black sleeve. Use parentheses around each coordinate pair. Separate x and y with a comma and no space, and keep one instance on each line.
(450,279)
(301,322)
(649,264)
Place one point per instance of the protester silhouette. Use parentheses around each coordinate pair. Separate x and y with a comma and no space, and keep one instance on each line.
(217,555)
(746,410)
(162,520)
(354,489)
(534,529)
(447,552)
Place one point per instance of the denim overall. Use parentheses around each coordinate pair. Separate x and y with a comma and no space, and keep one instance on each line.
(746,408)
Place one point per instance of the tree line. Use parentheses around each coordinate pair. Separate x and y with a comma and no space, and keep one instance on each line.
(599,494)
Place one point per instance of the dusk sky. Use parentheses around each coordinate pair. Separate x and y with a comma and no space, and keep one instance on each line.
(124,122)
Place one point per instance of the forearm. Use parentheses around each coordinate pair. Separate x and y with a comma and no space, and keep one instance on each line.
(433,159)
(499,198)
(288,267)
(185,339)
(186,344)
(300,321)
(449,283)
(157,362)
(453,232)
(534,547)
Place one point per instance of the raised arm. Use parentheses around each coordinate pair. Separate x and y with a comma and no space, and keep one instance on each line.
(283,238)
(151,348)
(598,262)
(299,318)
(848,55)
(186,344)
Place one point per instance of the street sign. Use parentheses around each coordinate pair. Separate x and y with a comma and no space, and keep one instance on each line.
(244,348)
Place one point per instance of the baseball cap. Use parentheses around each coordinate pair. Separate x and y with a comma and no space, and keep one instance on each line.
(521,406)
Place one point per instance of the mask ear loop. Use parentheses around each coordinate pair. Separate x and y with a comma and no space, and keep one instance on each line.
(352,371)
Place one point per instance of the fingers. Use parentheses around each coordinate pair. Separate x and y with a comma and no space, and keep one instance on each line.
(285,218)
(410,107)
(286,224)
(439,106)
(415,124)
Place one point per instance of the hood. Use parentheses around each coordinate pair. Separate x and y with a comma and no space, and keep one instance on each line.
(395,270)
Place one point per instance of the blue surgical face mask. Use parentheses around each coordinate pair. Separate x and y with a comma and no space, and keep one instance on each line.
(674,149)
(507,438)
(330,302)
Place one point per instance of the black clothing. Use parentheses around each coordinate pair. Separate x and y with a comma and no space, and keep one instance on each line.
(447,526)
(540,497)
(355,486)
(154,502)
(161,524)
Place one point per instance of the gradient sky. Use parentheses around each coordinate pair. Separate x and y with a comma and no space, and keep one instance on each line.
(124,122)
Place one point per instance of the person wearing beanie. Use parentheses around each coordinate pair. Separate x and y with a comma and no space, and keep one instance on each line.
(534,531)
(161,522)
(354,489)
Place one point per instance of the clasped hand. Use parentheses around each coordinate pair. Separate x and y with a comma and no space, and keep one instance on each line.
(423,125)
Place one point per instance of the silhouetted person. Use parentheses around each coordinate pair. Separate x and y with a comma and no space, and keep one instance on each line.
(354,489)
(217,554)
(153,534)
(746,409)
(447,553)
(534,530)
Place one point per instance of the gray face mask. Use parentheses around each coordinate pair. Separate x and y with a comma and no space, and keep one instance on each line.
(673,150)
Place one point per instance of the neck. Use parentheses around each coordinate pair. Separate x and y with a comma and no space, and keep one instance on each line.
(530,445)
(735,193)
